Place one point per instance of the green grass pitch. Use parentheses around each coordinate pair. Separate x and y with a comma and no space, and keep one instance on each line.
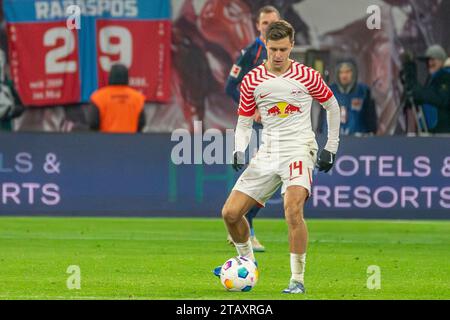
(173,259)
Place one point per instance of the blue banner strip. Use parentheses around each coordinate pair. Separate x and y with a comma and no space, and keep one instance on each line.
(88,58)
(134,175)
(55,10)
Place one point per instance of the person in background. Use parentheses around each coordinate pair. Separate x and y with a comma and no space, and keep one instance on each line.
(10,104)
(251,57)
(434,96)
(117,108)
(358,114)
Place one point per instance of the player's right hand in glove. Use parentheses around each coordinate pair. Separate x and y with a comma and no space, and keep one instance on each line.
(238,160)
(325,161)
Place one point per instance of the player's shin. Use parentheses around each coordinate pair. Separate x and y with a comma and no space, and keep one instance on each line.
(298,238)
(245,249)
(298,263)
(240,232)
(298,243)
(242,239)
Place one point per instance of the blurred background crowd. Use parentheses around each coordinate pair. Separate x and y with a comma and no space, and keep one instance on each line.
(394,80)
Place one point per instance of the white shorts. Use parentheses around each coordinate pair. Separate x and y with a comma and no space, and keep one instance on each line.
(265,174)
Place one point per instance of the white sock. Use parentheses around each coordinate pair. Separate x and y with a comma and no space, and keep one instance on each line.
(298,262)
(245,249)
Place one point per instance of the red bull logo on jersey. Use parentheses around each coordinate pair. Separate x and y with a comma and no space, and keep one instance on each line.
(283,110)
(274,111)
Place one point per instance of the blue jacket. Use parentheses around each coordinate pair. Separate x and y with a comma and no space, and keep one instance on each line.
(435,100)
(358,114)
(251,57)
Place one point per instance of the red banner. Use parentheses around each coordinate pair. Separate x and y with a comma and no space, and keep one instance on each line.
(44,63)
(61,54)
(142,46)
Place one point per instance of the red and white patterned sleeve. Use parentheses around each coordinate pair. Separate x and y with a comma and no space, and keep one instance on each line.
(320,91)
(317,88)
(247,103)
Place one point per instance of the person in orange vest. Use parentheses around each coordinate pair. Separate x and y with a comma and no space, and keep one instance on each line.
(117,108)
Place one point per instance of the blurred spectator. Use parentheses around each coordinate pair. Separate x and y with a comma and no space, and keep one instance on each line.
(10,105)
(289,11)
(117,108)
(434,96)
(358,114)
(253,55)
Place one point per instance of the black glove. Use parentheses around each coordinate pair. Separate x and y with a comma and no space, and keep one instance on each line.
(238,160)
(325,161)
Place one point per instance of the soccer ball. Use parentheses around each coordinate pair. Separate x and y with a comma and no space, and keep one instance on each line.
(239,274)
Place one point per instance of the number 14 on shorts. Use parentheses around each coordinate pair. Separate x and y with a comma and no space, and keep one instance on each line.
(296,170)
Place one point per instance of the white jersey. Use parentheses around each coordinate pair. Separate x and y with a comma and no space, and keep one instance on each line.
(285,105)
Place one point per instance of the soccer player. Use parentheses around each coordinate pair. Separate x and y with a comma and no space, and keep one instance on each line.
(282,90)
(251,57)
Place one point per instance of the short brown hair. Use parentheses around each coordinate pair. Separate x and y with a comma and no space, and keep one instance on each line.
(280,30)
(267,9)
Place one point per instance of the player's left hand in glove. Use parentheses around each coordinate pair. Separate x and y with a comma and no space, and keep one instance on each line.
(325,161)
(238,160)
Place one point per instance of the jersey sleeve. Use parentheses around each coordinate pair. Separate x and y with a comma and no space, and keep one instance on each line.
(317,88)
(247,104)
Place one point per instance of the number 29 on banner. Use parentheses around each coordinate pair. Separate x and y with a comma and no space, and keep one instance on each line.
(114,41)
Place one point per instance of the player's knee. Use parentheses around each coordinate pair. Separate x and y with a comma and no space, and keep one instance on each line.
(229,215)
(293,213)
(293,206)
